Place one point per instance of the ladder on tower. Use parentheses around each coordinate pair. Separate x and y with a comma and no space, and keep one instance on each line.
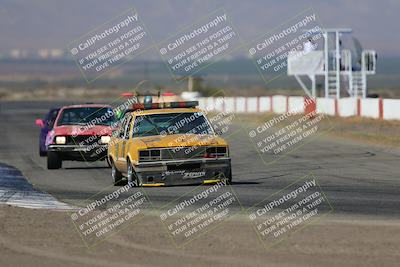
(333,86)
(344,74)
(359,84)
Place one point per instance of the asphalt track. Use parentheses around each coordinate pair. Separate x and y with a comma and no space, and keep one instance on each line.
(357,178)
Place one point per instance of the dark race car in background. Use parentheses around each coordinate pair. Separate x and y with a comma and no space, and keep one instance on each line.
(80,133)
(46,125)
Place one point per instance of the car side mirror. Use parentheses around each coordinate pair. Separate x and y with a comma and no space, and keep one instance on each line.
(40,123)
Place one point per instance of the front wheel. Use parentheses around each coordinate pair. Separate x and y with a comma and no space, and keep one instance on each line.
(229,176)
(131,175)
(115,174)
(229,180)
(42,153)
(53,160)
(108,162)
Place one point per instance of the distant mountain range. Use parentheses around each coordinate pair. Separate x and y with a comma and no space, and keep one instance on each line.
(37,24)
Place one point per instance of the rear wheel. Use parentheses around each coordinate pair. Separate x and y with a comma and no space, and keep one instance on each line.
(115,174)
(53,160)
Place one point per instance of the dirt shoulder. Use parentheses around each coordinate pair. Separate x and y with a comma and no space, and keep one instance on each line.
(373,131)
(45,238)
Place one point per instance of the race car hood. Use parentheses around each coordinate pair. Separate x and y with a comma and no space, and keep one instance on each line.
(67,130)
(176,140)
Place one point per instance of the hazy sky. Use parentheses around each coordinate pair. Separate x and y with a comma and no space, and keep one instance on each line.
(33,24)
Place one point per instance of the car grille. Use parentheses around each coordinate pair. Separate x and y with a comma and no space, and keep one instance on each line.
(180,153)
(83,140)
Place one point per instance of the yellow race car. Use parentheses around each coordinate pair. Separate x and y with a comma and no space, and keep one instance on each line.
(170,143)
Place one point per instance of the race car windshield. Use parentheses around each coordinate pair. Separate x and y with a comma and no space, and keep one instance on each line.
(86,116)
(171,123)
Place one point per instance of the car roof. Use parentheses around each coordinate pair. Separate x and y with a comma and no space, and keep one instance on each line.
(164,111)
(87,106)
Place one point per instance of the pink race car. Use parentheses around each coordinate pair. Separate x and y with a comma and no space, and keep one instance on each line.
(80,133)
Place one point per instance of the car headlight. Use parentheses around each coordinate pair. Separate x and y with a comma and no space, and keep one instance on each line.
(61,140)
(105,139)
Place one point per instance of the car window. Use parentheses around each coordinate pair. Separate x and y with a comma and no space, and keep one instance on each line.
(86,116)
(171,123)
(52,118)
(121,130)
(127,127)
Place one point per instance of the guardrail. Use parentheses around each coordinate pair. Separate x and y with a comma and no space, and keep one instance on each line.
(378,108)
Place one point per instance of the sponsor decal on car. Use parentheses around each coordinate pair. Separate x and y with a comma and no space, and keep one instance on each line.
(185,174)
(193,175)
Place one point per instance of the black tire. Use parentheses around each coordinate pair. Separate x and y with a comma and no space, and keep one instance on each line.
(42,153)
(115,174)
(131,174)
(229,176)
(108,162)
(229,180)
(53,160)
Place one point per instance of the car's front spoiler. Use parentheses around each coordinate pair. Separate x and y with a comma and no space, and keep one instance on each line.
(212,181)
(80,153)
(184,172)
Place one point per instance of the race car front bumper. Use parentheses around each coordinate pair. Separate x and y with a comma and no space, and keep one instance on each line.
(79,153)
(184,172)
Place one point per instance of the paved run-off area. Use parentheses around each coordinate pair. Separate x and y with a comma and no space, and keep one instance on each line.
(361,182)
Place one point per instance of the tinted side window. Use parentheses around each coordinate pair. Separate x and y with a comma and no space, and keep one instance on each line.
(127,128)
(122,126)
(51,118)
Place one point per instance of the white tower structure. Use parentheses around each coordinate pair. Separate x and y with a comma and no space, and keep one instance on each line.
(342,75)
